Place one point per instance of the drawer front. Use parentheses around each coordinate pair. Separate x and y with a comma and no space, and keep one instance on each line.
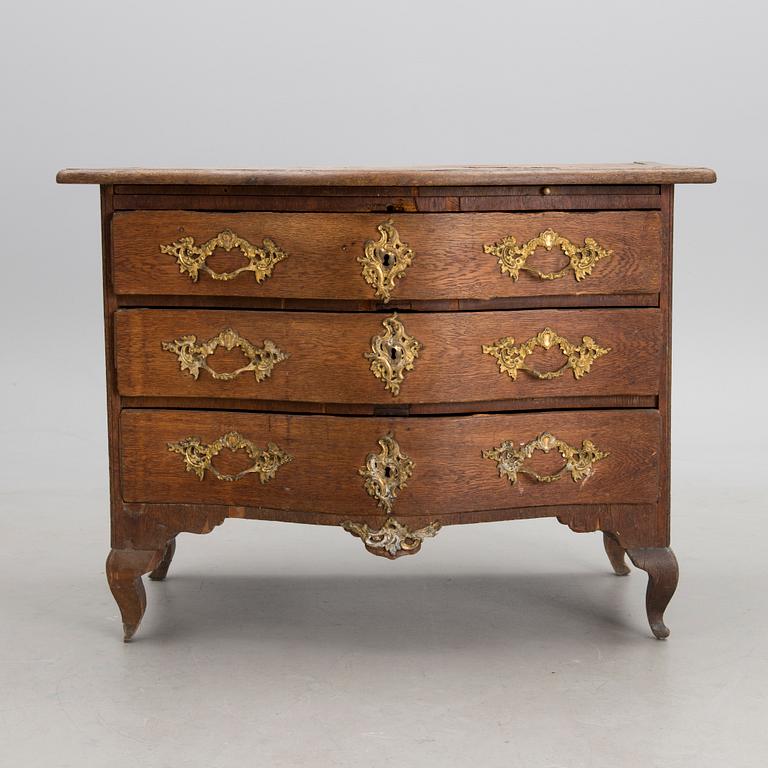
(368,257)
(406,466)
(388,358)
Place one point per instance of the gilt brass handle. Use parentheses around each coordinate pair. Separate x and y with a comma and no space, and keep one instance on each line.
(385,260)
(578,357)
(579,462)
(193,356)
(513,257)
(393,539)
(198,456)
(191,258)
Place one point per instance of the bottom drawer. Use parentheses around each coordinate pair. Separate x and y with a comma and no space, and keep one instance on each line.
(403,466)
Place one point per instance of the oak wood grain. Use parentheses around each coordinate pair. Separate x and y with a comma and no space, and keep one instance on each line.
(260,190)
(387,199)
(449,261)
(620,173)
(450,474)
(112,397)
(327,362)
(149,524)
(665,396)
(388,203)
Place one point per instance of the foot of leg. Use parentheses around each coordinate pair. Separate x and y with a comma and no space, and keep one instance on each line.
(125,567)
(162,570)
(661,565)
(615,553)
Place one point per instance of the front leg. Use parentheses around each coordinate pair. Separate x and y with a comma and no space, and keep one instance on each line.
(661,565)
(125,567)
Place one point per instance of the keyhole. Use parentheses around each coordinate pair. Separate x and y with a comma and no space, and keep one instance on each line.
(393,353)
(387,472)
(385,259)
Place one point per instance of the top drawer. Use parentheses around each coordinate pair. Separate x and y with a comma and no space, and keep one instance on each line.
(407,257)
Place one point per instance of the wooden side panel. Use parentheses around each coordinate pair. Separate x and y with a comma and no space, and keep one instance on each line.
(113,397)
(449,261)
(326,355)
(665,396)
(450,474)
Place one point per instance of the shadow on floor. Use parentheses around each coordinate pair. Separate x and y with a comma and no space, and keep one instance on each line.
(410,612)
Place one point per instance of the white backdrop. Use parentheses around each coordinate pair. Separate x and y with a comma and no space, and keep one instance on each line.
(269,84)
(273,84)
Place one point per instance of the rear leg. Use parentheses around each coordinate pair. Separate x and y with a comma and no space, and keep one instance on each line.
(615,553)
(162,570)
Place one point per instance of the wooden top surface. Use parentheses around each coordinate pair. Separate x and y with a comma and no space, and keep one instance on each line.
(627,173)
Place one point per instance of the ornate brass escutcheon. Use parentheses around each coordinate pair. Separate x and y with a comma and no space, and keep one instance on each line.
(513,257)
(579,462)
(385,260)
(198,456)
(193,357)
(578,357)
(392,354)
(386,472)
(192,258)
(393,539)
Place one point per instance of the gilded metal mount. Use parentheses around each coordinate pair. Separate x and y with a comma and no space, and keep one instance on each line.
(198,456)
(192,258)
(193,357)
(579,462)
(393,539)
(513,257)
(578,357)
(392,354)
(386,472)
(385,260)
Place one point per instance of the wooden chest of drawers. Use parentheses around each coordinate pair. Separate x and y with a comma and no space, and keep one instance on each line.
(389,352)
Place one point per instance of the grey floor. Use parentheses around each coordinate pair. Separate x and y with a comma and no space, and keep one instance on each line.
(507,644)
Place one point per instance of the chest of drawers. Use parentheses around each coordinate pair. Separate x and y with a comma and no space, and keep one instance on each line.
(389,352)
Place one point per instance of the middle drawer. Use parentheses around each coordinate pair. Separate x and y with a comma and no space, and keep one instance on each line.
(345,358)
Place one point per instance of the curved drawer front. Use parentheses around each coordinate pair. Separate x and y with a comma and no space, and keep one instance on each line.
(388,358)
(400,466)
(407,257)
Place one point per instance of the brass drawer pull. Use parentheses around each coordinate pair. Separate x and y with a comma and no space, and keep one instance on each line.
(386,472)
(579,462)
(198,456)
(385,260)
(193,356)
(393,539)
(192,258)
(392,354)
(513,257)
(578,357)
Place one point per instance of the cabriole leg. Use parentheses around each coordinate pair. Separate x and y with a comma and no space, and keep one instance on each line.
(661,565)
(162,570)
(125,567)
(615,553)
